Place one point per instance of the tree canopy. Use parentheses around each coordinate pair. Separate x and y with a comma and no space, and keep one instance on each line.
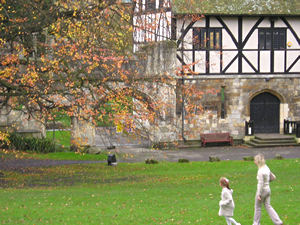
(69,56)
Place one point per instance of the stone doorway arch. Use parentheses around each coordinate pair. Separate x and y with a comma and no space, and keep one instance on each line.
(265,112)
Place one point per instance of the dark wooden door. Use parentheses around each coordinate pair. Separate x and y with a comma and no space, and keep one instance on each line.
(264,111)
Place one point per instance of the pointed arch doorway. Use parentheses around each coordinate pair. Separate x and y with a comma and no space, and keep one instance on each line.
(265,112)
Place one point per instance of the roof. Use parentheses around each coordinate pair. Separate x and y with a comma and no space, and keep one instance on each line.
(237,7)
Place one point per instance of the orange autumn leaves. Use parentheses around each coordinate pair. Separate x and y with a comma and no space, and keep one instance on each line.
(80,63)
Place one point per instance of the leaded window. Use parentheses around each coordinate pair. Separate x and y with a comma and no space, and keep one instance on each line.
(271,38)
(207,38)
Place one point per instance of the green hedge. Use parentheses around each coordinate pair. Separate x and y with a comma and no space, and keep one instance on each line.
(21,143)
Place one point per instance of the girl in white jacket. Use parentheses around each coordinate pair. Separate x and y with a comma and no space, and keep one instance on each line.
(227,204)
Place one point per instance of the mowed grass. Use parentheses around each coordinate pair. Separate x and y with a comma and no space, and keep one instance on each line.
(138,193)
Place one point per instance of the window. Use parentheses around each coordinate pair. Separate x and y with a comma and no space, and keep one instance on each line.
(150,4)
(271,38)
(207,38)
(161,3)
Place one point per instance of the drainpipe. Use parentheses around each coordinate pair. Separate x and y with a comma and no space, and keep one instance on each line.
(183,111)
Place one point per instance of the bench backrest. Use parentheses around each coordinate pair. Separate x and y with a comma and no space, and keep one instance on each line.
(216,136)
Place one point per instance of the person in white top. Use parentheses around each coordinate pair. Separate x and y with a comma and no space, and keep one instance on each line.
(263,193)
(227,204)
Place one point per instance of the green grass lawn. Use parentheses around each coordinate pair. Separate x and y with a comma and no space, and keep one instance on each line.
(55,155)
(138,193)
(62,137)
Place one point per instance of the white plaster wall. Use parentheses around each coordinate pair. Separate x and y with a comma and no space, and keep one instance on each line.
(227,57)
(252,56)
(179,25)
(214,22)
(291,56)
(265,23)
(199,59)
(227,41)
(291,38)
(200,23)
(279,23)
(232,24)
(252,42)
(246,67)
(188,57)
(214,61)
(294,22)
(188,40)
(278,61)
(248,24)
(165,26)
(265,61)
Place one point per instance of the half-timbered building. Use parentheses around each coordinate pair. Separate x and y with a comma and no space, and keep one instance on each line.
(247,51)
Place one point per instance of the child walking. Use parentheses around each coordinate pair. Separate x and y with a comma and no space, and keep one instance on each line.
(227,204)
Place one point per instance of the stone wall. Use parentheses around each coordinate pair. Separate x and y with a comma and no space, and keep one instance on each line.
(238,94)
(158,60)
(82,134)
(12,120)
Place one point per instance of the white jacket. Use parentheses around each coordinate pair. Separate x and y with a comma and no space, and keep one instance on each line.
(226,204)
(263,179)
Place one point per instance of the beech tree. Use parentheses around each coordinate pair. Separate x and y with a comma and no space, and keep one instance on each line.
(70,56)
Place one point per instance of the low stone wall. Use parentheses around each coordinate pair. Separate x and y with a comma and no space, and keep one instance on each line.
(18,121)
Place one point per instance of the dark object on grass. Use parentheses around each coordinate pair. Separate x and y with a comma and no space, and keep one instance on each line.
(214,159)
(248,158)
(183,160)
(111,160)
(111,147)
(278,156)
(151,161)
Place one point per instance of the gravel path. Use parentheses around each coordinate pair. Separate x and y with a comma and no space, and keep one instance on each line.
(141,154)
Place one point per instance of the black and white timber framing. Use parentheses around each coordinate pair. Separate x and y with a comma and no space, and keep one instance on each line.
(151,21)
(222,44)
(245,45)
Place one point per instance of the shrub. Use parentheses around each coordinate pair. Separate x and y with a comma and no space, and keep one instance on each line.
(4,139)
(214,159)
(248,158)
(278,156)
(183,160)
(21,143)
(151,161)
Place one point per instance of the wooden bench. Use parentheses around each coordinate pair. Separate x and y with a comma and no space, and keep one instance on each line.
(216,137)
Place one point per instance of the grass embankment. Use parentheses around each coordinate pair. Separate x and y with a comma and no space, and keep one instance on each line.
(138,193)
(62,137)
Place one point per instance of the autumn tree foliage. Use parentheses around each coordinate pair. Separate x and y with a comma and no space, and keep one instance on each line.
(70,56)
